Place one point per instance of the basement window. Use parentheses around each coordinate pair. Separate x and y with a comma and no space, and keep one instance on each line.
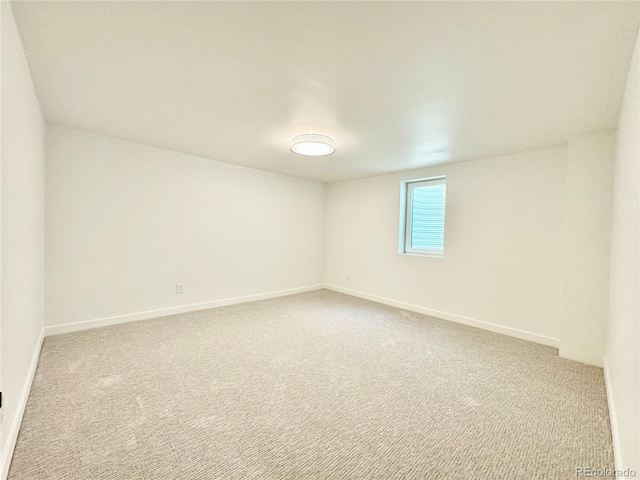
(422,206)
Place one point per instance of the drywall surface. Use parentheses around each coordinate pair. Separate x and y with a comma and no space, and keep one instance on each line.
(397,84)
(503,242)
(624,302)
(126,222)
(586,245)
(22,231)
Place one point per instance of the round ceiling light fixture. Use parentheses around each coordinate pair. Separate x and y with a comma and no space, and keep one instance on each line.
(312,145)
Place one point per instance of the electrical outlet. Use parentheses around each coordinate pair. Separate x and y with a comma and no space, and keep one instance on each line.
(179,288)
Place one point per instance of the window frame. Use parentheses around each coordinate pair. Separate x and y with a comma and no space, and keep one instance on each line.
(406,199)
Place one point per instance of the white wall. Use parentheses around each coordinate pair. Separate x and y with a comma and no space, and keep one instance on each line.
(125,222)
(586,245)
(622,360)
(503,243)
(22,232)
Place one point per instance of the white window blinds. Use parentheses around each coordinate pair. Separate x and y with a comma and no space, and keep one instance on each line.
(425,209)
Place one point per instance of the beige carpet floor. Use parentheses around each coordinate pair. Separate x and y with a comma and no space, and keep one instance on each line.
(318,385)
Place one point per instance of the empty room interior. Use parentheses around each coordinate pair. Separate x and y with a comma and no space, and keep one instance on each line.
(319,240)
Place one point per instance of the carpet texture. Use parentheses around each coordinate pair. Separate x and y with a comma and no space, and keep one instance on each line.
(317,385)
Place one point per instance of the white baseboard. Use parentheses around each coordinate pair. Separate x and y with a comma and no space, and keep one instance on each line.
(163,312)
(492,327)
(613,419)
(14,429)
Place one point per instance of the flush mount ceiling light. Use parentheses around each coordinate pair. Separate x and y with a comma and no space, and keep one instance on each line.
(312,145)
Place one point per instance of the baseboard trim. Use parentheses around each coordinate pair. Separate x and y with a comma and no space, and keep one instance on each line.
(613,419)
(14,429)
(163,312)
(472,322)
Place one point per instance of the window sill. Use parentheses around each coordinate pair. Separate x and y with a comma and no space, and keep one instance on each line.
(413,254)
